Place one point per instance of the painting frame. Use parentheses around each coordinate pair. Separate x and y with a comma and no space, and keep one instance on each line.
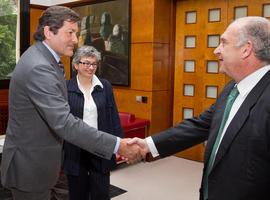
(106,25)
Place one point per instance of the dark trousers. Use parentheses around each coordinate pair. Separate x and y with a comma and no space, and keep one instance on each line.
(90,184)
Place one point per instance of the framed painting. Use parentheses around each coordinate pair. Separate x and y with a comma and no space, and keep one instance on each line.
(106,26)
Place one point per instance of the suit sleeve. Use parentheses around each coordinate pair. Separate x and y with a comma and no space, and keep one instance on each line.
(47,91)
(184,135)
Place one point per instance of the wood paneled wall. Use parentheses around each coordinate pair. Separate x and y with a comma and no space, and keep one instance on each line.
(3,97)
(151,62)
(3,110)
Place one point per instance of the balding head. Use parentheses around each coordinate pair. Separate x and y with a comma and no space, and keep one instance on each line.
(257,30)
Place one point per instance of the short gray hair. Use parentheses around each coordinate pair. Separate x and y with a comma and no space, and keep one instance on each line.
(257,30)
(85,51)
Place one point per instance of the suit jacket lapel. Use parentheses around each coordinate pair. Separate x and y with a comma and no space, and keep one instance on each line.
(241,116)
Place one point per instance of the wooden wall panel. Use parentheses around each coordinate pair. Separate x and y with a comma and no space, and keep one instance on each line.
(200,54)
(161,67)
(3,110)
(141,66)
(163,21)
(35,13)
(3,97)
(142,21)
(126,102)
(161,111)
(194,153)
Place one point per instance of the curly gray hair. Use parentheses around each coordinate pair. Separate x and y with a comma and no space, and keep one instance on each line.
(85,51)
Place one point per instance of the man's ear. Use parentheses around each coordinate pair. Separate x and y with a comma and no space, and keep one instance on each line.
(247,49)
(47,32)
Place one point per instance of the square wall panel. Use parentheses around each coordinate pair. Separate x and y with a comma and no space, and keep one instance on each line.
(187,113)
(212,67)
(211,92)
(189,66)
(214,15)
(191,17)
(190,42)
(188,90)
(266,10)
(213,41)
(240,12)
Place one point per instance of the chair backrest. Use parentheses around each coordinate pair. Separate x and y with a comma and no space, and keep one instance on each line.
(126,118)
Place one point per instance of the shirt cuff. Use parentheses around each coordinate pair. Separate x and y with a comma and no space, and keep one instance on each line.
(152,147)
(116,145)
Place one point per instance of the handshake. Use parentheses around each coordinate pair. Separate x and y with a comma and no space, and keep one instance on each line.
(133,149)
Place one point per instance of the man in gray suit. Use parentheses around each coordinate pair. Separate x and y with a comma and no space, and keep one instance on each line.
(39,114)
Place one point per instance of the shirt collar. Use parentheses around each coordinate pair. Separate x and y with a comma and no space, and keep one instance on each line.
(55,55)
(95,82)
(249,82)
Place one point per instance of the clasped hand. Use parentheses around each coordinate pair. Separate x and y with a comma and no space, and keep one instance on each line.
(133,150)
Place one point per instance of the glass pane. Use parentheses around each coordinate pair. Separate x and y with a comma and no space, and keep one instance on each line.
(240,12)
(212,67)
(211,91)
(188,90)
(190,42)
(266,10)
(213,40)
(189,66)
(214,15)
(191,17)
(187,113)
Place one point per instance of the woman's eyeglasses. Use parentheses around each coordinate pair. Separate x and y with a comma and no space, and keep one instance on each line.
(88,64)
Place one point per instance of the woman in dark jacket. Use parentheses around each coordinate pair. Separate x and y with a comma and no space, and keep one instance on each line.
(92,100)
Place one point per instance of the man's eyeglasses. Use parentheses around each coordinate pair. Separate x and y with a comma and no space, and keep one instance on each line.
(88,64)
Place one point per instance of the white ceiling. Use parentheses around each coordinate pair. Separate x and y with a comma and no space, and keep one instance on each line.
(50,2)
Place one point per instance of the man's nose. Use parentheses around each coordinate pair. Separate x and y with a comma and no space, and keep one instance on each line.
(217,50)
(75,38)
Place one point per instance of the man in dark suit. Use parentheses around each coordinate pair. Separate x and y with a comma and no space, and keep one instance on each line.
(237,155)
(39,114)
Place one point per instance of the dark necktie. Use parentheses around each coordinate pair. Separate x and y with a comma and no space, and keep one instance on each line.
(62,67)
(231,98)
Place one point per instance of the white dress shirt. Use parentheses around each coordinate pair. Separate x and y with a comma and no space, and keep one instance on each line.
(244,87)
(90,115)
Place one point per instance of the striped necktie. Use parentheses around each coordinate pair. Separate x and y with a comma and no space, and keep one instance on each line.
(62,67)
(231,98)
